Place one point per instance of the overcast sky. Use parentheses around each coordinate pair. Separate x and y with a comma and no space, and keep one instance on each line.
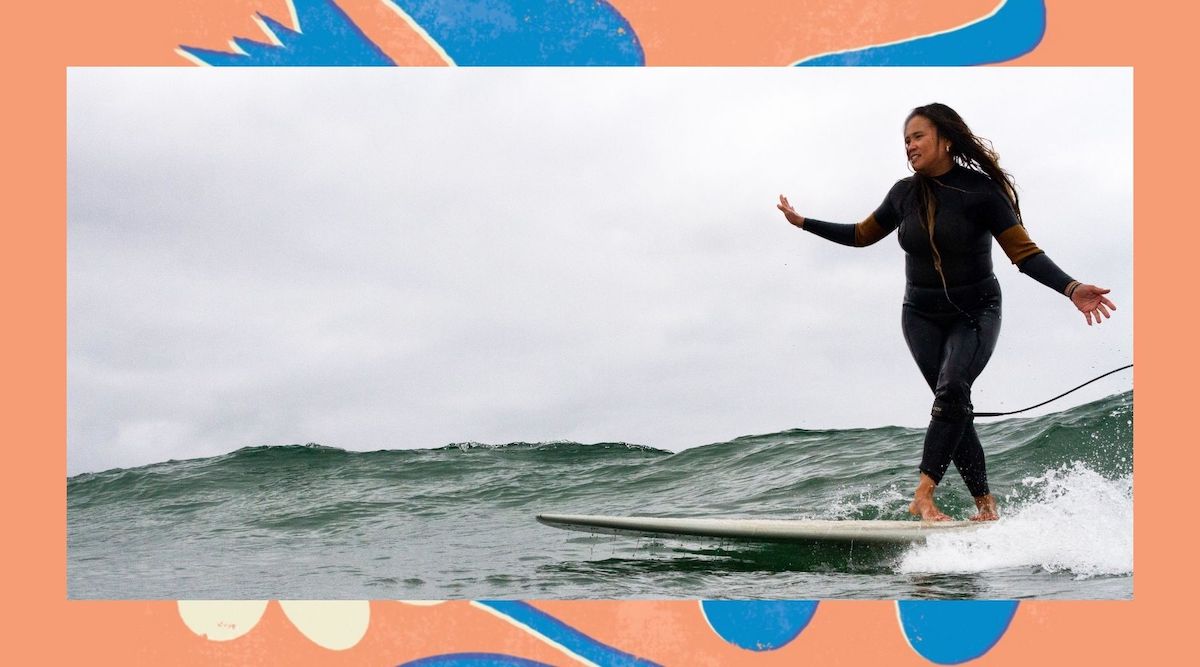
(399,258)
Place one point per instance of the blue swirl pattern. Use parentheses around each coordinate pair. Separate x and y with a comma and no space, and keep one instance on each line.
(560,634)
(1015,28)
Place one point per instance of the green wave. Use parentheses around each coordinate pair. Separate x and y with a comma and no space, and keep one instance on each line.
(851,473)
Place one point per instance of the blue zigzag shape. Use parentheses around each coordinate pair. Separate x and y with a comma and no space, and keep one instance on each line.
(326,36)
(561,634)
(758,625)
(948,632)
(1012,30)
(468,32)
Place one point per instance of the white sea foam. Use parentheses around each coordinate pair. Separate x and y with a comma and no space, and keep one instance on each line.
(850,504)
(1071,519)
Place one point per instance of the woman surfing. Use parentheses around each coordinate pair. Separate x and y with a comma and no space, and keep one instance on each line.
(946,215)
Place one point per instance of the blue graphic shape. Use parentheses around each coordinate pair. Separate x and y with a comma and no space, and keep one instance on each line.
(948,632)
(473,660)
(758,625)
(326,37)
(469,32)
(1012,30)
(527,32)
(561,634)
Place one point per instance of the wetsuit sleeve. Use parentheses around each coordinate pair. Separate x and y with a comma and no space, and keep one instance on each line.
(877,225)
(1021,249)
(1043,269)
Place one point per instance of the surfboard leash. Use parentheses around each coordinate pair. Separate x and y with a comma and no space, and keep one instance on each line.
(1098,377)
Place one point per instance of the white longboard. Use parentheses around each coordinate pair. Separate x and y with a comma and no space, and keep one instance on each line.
(759,530)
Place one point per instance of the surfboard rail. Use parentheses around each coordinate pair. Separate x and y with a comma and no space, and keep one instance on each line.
(758,530)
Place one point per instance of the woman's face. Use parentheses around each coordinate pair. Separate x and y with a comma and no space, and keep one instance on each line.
(927,152)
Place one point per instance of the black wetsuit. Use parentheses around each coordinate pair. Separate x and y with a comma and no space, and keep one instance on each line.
(951,329)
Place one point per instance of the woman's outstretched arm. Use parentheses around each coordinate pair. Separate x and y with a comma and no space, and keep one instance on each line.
(1033,262)
(862,234)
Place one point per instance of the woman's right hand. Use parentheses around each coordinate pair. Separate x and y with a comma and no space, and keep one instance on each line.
(1090,301)
(789,213)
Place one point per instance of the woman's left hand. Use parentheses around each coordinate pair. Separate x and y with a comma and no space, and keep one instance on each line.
(1090,301)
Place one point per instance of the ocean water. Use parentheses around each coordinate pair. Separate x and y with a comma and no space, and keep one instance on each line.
(310,521)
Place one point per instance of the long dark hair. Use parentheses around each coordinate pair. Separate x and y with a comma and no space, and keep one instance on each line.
(967,150)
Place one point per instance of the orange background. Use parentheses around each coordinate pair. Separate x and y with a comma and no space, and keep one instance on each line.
(41,39)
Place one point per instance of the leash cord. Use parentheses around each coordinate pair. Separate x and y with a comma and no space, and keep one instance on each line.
(1002,414)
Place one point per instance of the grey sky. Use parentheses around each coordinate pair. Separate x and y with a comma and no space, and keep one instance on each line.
(394,258)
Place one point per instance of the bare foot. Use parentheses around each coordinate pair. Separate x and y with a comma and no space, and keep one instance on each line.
(922,504)
(925,509)
(987,509)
